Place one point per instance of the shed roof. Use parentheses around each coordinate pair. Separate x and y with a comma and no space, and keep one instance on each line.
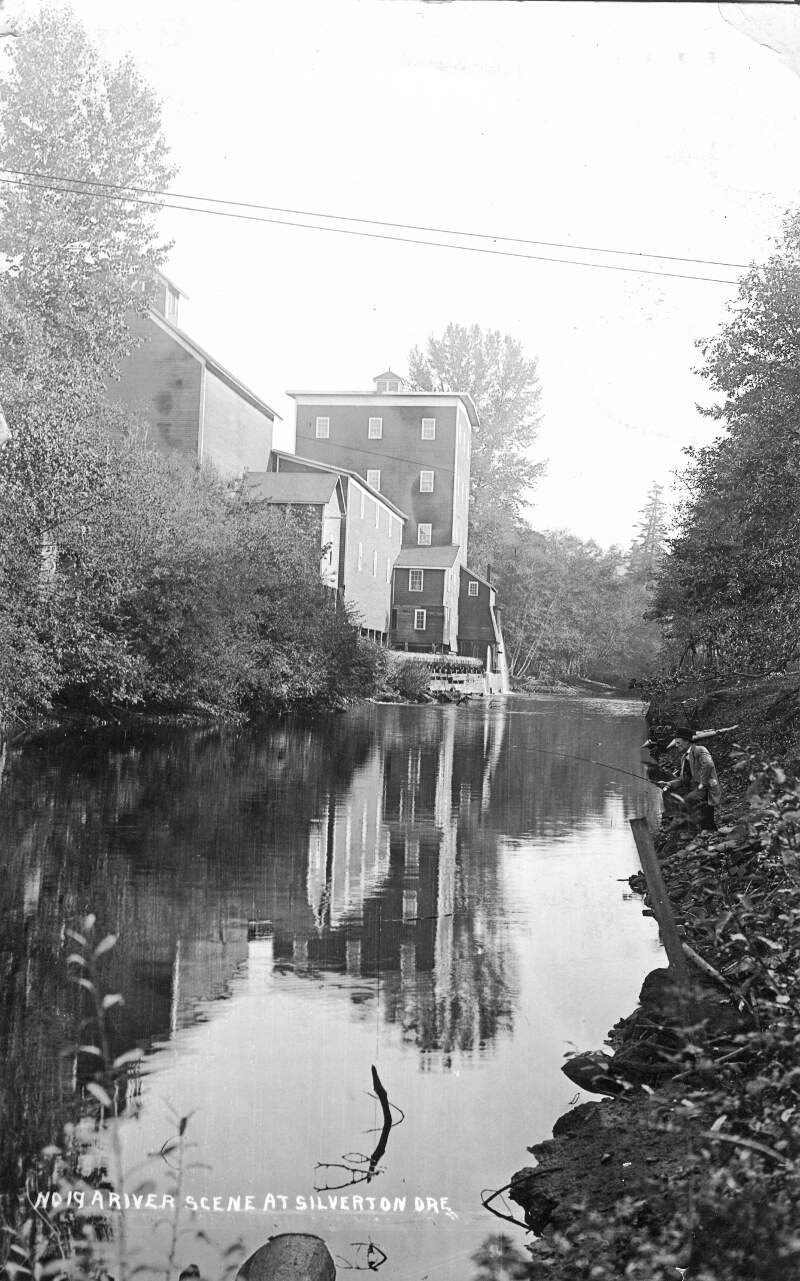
(427,557)
(471,573)
(315,465)
(314,488)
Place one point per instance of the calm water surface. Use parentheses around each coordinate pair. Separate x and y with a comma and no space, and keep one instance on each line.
(434,891)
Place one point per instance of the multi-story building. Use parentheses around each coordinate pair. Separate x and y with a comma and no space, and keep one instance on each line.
(414,447)
(191,404)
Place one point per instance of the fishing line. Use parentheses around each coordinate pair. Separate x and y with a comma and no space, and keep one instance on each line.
(590,760)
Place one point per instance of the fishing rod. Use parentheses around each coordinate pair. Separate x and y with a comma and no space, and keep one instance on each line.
(590,760)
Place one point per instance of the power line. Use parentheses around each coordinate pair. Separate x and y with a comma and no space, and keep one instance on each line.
(370,235)
(375,222)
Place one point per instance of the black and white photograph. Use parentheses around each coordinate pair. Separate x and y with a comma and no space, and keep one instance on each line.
(399,640)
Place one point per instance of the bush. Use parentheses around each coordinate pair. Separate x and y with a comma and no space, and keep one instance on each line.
(412,680)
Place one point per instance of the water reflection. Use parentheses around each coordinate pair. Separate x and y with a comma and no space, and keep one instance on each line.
(298,901)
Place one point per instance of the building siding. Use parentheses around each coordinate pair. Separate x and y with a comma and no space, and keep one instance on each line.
(476,627)
(162,382)
(369,594)
(237,436)
(400,455)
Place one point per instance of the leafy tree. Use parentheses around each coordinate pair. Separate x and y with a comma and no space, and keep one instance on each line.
(504,384)
(76,262)
(126,580)
(729,591)
(571,609)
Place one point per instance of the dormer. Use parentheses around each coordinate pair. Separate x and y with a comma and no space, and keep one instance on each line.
(166,298)
(389,383)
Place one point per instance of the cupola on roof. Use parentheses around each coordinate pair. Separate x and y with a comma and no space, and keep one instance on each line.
(389,382)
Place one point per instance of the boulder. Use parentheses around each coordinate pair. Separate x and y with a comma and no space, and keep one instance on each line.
(291,1256)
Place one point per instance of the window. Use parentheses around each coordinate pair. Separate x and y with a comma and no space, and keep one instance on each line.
(429,429)
(388,569)
(415,580)
(374,479)
(377,516)
(473,587)
(392,386)
(360,557)
(426,482)
(374,564)
(423,535)
(375,429)
(362,503)
(420,620)
(323,428)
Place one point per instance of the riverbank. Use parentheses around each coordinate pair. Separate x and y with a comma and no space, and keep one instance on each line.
(694,1161)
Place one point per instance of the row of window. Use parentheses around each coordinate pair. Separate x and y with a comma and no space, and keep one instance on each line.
(426,480)
(416,582)
(375,428)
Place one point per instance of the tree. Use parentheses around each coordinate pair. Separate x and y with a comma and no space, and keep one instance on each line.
(504,384)
(728,594)
(126,579)
(78,258)
(648,547)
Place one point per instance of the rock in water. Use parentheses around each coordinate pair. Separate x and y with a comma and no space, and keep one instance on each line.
(292,1256)
(593,1071)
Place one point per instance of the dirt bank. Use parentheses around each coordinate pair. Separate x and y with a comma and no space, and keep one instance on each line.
(693,1161)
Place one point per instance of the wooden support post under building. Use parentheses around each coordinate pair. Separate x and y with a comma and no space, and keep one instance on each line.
(661,904)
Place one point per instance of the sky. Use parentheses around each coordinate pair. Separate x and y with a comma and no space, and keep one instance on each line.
(643,127)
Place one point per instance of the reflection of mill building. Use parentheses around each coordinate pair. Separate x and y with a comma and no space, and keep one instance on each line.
(390,866)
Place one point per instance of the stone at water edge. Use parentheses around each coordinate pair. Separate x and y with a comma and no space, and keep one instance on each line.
(291,1256)
(593,1071)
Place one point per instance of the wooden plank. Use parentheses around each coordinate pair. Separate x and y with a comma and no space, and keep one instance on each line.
(660,901)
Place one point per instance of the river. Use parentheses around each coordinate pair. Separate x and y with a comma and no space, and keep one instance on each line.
(438,892)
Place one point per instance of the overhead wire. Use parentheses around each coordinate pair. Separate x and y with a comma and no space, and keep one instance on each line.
(373,222)
(351,231)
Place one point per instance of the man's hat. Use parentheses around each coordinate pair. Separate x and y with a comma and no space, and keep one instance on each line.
(681,736)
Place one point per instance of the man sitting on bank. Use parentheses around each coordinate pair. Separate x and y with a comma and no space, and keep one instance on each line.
(697,780)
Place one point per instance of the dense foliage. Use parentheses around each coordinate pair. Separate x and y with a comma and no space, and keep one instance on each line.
(76,260)
(126,580)
(569,608)
(572,609)
(729,593)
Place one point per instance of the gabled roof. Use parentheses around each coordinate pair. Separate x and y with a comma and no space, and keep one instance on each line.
(213,365)
(315,489)
(427,557)
(313,464)
(388,373)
